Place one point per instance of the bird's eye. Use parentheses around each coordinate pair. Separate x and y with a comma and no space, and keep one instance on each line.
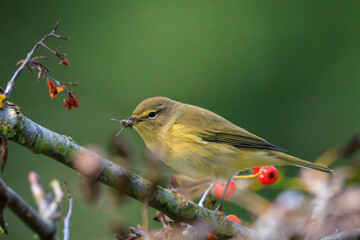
(152,114)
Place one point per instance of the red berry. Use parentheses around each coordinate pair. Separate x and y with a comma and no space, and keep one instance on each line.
(220,187)
(256,170)
(268,175)
(212,237)
(234,218)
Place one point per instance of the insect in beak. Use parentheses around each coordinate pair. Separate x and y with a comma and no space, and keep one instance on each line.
(127,122)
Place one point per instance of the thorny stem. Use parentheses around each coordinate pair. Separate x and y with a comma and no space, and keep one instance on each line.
(11,84)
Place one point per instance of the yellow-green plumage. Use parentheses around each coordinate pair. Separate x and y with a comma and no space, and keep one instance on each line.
(201,144)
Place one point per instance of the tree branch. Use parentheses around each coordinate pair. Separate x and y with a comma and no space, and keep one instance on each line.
(18,128)
(45,229)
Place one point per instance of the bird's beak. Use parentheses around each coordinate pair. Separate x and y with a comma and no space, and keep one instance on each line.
(129,122)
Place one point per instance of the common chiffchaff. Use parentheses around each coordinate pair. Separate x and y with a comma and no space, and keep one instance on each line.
(201,144)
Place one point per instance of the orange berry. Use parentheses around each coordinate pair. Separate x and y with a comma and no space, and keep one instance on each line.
(234,218)
(220,187)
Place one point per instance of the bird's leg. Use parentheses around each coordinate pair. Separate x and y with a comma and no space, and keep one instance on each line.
(219,207)
(206,194)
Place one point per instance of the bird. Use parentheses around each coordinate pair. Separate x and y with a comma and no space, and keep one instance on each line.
(201,144)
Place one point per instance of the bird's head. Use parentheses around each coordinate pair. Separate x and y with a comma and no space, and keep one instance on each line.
(150,117)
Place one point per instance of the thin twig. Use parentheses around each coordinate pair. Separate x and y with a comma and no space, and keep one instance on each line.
(66,230)
(51,78)
(45,229)
(11,84)
(61,56)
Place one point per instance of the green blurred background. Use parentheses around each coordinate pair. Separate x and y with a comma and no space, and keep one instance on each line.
(285,70)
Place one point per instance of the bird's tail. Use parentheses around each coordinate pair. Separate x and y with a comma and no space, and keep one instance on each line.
(290,160)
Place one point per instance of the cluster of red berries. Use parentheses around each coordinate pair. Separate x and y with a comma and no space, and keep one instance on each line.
(266,175)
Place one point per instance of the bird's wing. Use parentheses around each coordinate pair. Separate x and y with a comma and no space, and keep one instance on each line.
(238,138)
(213,128)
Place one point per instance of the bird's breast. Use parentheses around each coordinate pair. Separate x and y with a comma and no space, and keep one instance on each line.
(154,142)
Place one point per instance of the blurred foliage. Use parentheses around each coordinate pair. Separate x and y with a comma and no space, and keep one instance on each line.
(285,70)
